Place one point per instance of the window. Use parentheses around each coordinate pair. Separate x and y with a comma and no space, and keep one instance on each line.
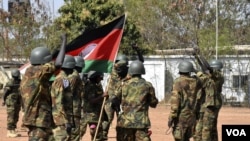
(239,80)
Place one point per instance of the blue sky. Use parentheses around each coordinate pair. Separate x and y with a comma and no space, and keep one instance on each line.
(57,4)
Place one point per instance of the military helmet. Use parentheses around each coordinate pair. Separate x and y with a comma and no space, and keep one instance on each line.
(15,73)
(92,74)
(186,66)
(136,67)
(121,64)
(79,61)
(216,64)
(40,55)
(121,57)
(69,62)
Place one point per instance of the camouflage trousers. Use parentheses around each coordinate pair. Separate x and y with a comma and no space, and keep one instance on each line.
(13,108)
(181,133)
(206,127)
(60,134)
(108,118)
(75,132)
(132,134)
(198,128)
(83,126)
(40,134)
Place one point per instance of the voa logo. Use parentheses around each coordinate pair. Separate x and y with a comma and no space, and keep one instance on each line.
(236,132)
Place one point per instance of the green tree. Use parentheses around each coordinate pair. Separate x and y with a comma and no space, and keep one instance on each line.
(78,16)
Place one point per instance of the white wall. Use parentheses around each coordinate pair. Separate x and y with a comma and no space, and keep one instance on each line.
(155,72)
(233,65)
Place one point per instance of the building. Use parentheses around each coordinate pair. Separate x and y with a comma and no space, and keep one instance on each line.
(162,70)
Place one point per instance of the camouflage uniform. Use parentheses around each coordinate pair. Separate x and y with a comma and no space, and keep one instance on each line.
(219,81)
(77,89)
(206,113)
(92,109)
(133,122)
(62,107)
(211,102)
(37,101)
(83,121)
(183,105)
(12,100)
(114,82)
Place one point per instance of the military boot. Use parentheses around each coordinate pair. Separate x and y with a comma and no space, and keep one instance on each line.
(19,135)
(12,134)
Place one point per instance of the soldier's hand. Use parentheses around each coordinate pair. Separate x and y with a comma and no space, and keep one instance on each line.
(196,51)
(134,46)
(105,94)
(170,122)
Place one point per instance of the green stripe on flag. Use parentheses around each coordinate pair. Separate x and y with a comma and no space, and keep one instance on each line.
(98,65)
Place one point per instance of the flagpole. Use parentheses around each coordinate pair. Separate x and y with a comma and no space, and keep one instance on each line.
(216,37)
(101,113)
(106,90)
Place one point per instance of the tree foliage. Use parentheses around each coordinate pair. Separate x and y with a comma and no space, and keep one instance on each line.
(21,28)
(78,16)
(151,24)
(191,23)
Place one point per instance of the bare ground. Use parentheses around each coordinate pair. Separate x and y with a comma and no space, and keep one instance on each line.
(158,116)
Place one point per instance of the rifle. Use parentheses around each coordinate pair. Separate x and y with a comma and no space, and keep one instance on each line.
(205,67)
(139,54)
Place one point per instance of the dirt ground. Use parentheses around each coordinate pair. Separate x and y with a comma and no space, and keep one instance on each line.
(158,116)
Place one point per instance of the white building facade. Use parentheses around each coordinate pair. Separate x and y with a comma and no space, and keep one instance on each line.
(161,71)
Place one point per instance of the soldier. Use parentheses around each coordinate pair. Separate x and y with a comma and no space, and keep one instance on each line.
(12,100)
(218,78)
(136,96)
(118,73)
(205,102)
(93,99)
(62,101)
(206,128)
(210,100)
(80,63)
(77,89)
(35,92)
(183,102)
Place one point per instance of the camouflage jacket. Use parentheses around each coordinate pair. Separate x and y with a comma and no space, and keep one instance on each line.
(208,95)
(219,81)
(136,95)
(12,88)
(183,99)
(77,89)
(62,100)
(114,83)
(13,85)
(93,109)
(34,89)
